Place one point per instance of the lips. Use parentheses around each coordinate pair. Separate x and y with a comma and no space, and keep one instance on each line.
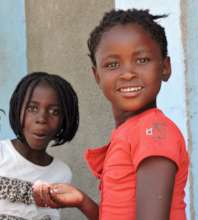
(40,136)
(130,91)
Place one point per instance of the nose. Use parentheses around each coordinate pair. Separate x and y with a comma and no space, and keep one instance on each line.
(41,117)
(128,73)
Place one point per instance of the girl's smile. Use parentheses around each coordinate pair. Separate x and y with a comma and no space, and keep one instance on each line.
(130,91)
(129,69)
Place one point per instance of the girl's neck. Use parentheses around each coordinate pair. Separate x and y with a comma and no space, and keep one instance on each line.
(121,117)
(38,157)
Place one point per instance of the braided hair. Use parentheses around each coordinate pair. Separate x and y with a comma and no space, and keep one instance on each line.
(66,95)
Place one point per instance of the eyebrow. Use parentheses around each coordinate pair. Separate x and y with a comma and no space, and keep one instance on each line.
(142,51)
(136,53)
(35,102)
(110,56)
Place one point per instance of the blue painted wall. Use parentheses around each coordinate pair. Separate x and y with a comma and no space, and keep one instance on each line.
(192,85)
(13,61)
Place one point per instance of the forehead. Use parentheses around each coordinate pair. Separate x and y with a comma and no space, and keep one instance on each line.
(125,35)
(42,92)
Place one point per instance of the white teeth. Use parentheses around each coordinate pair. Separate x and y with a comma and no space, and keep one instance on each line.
(131,89)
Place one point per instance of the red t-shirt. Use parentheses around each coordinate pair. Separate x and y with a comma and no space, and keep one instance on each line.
(150,133)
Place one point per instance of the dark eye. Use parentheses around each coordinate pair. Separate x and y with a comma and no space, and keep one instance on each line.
(112,65)
(54,111)
(32,108)
(142,60)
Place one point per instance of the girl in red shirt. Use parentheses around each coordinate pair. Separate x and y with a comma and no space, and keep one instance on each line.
(143,170)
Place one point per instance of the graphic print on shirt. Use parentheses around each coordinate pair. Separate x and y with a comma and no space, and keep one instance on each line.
(9,217)
(157,131)
(16,190)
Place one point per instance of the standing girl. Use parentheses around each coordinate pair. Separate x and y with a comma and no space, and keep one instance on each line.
(43,112)
(144,167)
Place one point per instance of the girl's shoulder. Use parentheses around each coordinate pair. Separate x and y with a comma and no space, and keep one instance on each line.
(156,121)
(60,164)
(61,170)
(157,135)
(4,142)
(4,146)
(150,119)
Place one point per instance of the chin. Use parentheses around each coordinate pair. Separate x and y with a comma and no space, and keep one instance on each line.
(37,147)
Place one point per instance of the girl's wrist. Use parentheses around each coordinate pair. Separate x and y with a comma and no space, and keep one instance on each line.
(82,205)
(89,208)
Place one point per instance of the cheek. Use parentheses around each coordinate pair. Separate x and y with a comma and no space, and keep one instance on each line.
(153,77)
(56,124)
(26,122)
(107,81)
(22,115)
(106,89)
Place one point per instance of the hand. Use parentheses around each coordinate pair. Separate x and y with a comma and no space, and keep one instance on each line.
(41,194)
(66,195)
(56,195)
(69,196)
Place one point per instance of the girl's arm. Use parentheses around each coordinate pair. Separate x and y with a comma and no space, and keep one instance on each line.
(64,195)
(89,208)
(69,196)
(155,183)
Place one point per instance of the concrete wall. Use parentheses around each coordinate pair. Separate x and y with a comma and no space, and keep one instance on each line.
(56,34)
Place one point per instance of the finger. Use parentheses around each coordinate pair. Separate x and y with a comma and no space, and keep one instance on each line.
(37,195)
(44,193)
(37,198)
(48,200)
(58,195)
(66,195)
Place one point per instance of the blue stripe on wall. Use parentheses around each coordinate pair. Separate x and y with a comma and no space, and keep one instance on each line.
(192,76)
(13,60)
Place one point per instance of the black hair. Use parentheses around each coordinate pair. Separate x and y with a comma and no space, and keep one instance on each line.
(67,97)
(123,17)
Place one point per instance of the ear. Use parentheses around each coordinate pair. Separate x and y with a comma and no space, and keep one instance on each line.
(96,75)
(166,69)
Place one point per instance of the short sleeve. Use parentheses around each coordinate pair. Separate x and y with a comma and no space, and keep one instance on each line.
(157,137)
